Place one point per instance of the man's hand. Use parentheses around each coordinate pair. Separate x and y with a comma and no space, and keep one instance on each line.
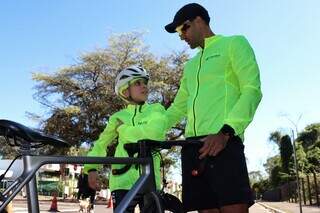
(93,180)
(213,144)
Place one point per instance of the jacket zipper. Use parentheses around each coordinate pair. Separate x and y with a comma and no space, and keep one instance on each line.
(134,115)
(194,100)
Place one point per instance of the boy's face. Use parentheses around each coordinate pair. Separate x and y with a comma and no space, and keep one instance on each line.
(138,90)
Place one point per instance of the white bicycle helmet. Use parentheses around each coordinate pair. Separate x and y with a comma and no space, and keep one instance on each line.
(127,75)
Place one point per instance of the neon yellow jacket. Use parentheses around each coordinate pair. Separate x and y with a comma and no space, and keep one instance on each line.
(220,85)
(139,122)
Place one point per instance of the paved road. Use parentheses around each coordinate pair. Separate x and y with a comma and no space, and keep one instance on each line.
(290,207)
(256,208)
(21,207)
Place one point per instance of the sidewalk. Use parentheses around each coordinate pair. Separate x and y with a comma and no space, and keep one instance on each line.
(285,207)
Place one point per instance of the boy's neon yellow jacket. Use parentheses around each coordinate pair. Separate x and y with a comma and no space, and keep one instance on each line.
(220,85)
(139,122)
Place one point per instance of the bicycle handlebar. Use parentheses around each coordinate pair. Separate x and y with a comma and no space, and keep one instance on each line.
(152,144)
(145,147)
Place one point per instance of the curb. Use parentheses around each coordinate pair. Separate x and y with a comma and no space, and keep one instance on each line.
(272,209)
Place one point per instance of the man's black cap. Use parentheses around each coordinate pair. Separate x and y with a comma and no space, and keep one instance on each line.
(187,12)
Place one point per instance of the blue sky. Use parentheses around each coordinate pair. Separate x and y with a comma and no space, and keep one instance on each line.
(47,35)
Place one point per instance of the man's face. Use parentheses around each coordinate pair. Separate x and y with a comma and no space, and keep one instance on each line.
(189,32)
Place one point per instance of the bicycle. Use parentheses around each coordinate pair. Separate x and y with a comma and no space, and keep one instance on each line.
(145,148)
(29,140)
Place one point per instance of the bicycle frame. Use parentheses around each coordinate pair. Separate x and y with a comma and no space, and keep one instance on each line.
(31,165)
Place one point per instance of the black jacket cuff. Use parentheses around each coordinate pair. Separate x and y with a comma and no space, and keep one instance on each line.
(227,130)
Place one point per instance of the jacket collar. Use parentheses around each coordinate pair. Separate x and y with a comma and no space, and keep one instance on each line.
(135,106)
(210,40)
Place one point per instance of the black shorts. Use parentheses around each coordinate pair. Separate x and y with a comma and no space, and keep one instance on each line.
(224,180)
(118,195)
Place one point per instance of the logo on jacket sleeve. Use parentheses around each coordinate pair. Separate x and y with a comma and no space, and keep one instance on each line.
(142,122)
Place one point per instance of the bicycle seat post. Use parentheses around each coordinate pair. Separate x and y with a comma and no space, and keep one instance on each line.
(145,152)
(25,148)
(31,186)
(143,149)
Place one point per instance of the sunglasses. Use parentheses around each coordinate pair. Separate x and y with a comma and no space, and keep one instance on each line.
(183,27)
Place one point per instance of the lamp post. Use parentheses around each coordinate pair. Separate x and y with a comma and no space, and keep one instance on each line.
(296,169)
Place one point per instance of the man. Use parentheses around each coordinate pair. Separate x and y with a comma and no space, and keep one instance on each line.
(80,185)
(84,191)
(219,93)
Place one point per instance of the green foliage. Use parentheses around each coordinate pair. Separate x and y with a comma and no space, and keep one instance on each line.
(281,167)
(261,186)
(275,176)
(313,156)
(310,135)
(271,163)
(302,160)
(80,98)
(275,137)
(255,177)
(309,139)
(6,151)
(274,168)
(258,183)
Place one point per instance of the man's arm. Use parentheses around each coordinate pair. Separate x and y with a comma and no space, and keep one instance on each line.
(244,64)
(178,108)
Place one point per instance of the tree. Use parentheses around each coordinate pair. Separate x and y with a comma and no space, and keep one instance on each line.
(309,139)
(281,167)
(7,151)
(255,177)
(273,168)
(261,186)
(80,98)
(258,184)
(310,135)
(276,176)
(286,151)
(302,160)
(313,156)
(275,137)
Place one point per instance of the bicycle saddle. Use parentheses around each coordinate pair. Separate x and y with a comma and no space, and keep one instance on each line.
(23,135)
